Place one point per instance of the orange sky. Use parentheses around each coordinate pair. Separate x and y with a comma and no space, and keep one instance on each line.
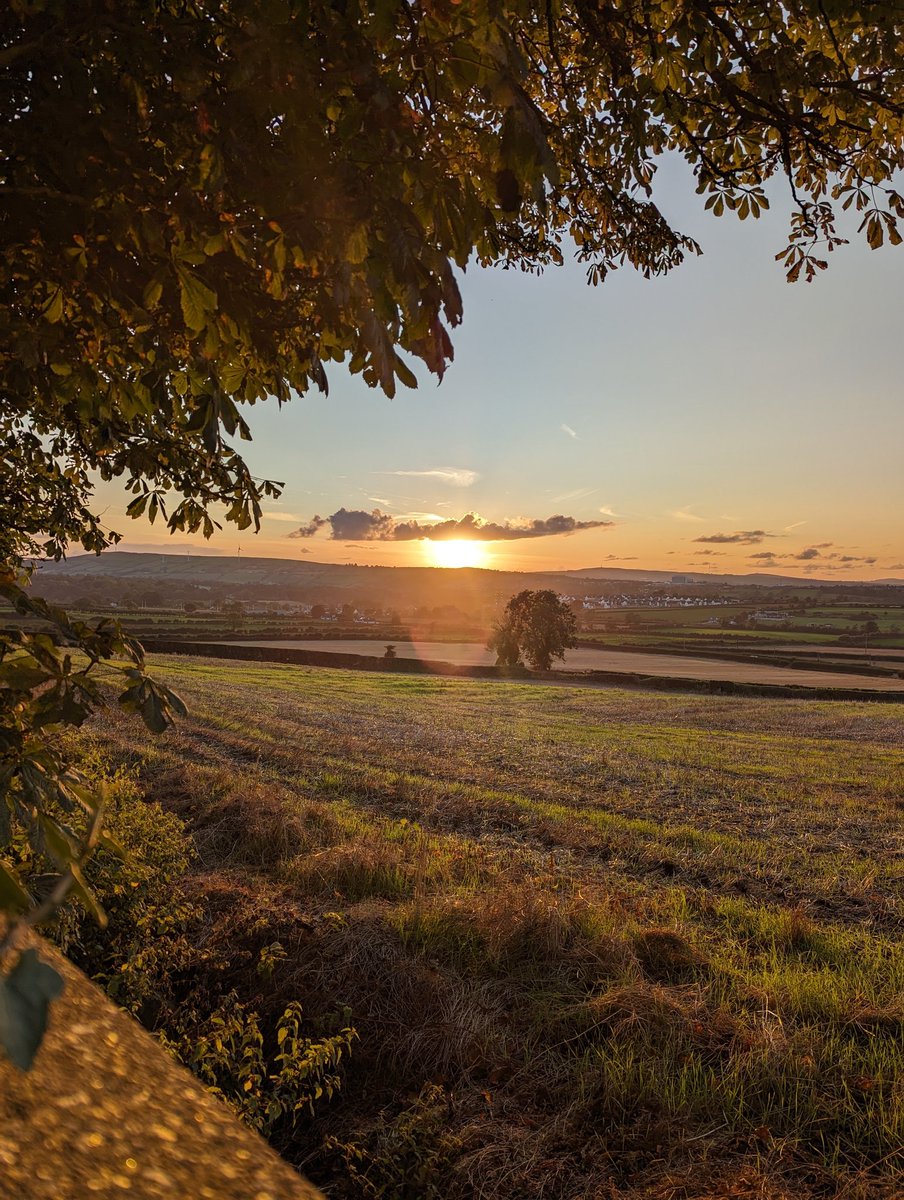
(716,403)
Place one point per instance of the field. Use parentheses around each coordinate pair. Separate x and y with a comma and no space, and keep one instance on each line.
(681,626)
(643,663)
(592,943)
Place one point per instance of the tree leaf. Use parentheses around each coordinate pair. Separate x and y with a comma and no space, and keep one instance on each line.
(81,888)
(198,300)
(25,996)
(13,896)
(53,309)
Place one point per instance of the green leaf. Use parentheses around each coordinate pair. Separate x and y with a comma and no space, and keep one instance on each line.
(198,300)
(81,889)
(25,996)
(232,376)
(20,677)
(152,713)
(405,374)
(53,309)
(59,843)
(357,246)
(152,293)
(13,896)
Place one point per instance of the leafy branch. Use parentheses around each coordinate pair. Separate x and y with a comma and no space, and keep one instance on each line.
(54,672)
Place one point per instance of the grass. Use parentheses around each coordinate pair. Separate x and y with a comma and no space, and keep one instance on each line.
(594,943)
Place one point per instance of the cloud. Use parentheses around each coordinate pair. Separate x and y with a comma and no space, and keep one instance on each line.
(806,555)
(710,553)
(308,530)
(567,429)
(607,511)
(281,516)
(455,476)
(359,526)
(684,514)
(740,537)
(770,554)
(620,558)
(577,494)
(794,525)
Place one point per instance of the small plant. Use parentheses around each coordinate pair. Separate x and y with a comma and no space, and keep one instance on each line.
(270,1082)
(270,957)
(390,652)
(403,1158)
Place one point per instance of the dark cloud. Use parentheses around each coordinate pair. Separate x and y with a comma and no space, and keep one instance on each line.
(306,531)
(709,553)
(359,526)
(806,555)
(741,537)
(770,554)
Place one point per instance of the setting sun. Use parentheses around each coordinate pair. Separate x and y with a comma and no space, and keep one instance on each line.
(458,552)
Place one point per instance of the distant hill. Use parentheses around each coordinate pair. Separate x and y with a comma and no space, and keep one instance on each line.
(293,577)
(757,579)
(280,578)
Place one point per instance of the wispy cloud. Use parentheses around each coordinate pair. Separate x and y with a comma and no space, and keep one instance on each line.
(429,517)
(454,476)
(607,511)
(358,526)
(685,514)
(281,516)
(794,525)
(567,429)
(577,494)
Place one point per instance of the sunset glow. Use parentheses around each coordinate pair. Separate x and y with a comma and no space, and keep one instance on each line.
(459,552)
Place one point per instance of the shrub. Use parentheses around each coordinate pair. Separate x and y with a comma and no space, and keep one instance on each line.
(269,1081)
(406,1157)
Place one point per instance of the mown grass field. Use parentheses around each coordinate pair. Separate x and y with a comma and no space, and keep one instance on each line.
(594,943)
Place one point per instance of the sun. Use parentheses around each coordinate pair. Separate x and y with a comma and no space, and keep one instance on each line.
(458,552)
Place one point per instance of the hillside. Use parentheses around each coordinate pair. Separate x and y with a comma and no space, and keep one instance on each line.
(292,576)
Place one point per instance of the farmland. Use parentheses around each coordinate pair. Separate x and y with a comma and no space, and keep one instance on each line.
(592,943)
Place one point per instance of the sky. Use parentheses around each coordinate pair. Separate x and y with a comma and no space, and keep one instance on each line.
(717,419)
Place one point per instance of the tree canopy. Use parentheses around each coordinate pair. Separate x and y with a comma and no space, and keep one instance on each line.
(538,625)
(209,202)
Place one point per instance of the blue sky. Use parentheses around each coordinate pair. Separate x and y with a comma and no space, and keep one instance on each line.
(717,400)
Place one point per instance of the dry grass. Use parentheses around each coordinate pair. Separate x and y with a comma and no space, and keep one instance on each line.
(594,944)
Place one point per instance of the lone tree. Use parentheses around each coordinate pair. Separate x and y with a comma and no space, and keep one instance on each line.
(538,625)
(207,202)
